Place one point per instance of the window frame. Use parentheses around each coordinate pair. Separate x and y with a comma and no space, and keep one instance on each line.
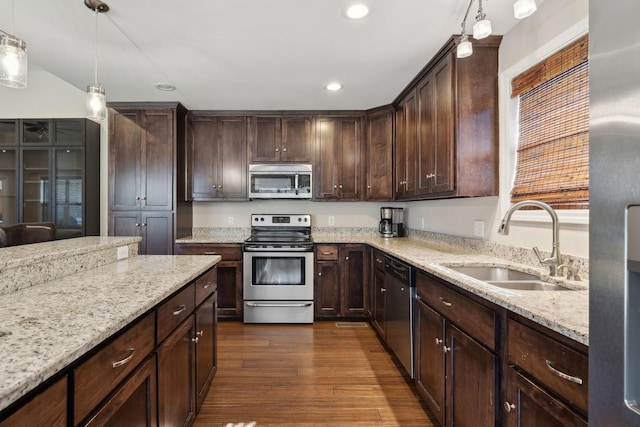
(509,131)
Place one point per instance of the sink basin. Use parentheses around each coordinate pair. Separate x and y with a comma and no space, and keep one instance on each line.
(494,274)
(507,278)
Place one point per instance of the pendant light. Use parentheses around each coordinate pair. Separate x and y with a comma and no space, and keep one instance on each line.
(96,102)
(524,8)
(482,27)
(13,59)
(464,48)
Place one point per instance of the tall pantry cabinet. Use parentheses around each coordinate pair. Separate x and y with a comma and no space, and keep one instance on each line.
(147,176)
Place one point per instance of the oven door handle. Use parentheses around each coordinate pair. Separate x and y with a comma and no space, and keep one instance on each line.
(246,249)
(279,304)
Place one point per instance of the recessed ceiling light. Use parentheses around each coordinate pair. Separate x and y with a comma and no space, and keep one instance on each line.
(333,86)
(164,86)
(357,11)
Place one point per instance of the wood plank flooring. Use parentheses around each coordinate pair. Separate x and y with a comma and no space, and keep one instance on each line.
(308,375)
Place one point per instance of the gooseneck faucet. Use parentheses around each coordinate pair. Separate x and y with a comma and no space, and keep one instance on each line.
(554,261)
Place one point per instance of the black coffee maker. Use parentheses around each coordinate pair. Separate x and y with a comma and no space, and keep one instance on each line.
(385,228)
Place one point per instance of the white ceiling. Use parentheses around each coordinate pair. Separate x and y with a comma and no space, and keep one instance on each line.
(244,54)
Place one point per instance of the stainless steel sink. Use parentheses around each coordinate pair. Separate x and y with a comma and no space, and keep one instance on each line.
(494,273)
(508,278)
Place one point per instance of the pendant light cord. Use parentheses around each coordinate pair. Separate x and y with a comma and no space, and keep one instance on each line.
(96,51)
(464,21)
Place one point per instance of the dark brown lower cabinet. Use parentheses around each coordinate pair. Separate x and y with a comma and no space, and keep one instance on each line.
(206,349)
(456,374)
(134,403)
(176,406)
(529,405)
(47,408)
(327,289)
(155,228)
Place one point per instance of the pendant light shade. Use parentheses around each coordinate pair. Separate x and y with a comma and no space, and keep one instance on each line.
(96,103)
(465,48)
(13,61)
(482,28)
(524,8)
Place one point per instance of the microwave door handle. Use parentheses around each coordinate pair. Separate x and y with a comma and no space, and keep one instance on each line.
(296,183)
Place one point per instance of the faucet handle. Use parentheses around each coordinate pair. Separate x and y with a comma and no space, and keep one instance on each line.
(538,254)
(572,272)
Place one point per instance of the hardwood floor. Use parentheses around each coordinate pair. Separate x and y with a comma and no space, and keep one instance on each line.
(308,375)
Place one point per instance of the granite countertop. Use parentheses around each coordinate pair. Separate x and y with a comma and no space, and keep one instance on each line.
(566,312)
(46,327)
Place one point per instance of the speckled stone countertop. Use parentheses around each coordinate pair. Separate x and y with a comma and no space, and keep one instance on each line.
(566,312)
(44,328)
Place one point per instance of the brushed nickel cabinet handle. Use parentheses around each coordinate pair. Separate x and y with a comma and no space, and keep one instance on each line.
(195,340)
(200,333)
(562,375)
(137,224)
(284,149)
(210,253)
(327,253)
(125,360)
(445,302)
(206,286)
(438,341)
(509,406)
(383,290)
(179,309)
(277,149)
(445,348)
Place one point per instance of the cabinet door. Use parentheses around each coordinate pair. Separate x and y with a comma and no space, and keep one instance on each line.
(338,153)
(157,160)
(232,161)
(264,139)
(297,141)
(230,289)
(353,269)
(327,289)
(175,369)
(68,193)
(9,132)
(379,157)
(202,157)
(134,403)
(406,151)
(472,381)
(443,152)
(157,233)
(68,132)
(47,408)
(526,404)
(379,315)
(125,168)
(36,132)
(205,348)
(426,136)
(36,185)
(9,205)
(430,359)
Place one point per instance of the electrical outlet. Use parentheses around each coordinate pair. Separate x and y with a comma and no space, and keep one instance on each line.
(123,252)
(332,220)
(478,228)
(231,220)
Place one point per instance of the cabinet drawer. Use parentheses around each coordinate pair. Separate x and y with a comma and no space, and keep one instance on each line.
(48,408)
(206,285)
(378,259)
(561,369)
(475,319)
(97,377)
(175,310)
(231,252)
(327,252)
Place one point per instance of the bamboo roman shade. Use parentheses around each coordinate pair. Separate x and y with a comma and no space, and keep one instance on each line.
(553,141)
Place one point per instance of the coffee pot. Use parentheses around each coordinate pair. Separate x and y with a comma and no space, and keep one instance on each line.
(385,228)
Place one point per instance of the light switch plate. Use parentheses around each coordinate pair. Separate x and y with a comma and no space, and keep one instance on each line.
(478,228)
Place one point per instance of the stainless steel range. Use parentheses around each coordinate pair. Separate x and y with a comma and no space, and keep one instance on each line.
(278,270)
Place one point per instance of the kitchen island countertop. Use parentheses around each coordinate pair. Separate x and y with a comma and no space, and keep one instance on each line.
(46,327)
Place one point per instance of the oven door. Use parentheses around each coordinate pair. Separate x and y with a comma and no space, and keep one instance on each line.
(278,276)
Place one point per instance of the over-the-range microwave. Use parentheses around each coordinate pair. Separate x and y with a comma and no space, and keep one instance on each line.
(279,181)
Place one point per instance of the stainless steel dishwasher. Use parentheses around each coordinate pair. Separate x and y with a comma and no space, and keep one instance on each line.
(400,288)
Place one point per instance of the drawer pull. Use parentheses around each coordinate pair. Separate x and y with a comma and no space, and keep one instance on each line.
(200,333)
(210,253)
(195,340)
(438,341)
(207,286)
(562,375)
(445,302)
(509,406)
(445,348)
(378,260)
(179,309)
(125,360)
(327,253)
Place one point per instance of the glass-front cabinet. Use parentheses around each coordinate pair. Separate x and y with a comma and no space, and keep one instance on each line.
(47,167)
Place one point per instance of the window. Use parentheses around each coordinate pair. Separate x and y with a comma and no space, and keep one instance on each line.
(553,130)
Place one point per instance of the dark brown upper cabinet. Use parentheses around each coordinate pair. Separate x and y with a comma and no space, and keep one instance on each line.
(275,139)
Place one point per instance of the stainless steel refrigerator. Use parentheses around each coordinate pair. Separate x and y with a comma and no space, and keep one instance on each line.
(614,231)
